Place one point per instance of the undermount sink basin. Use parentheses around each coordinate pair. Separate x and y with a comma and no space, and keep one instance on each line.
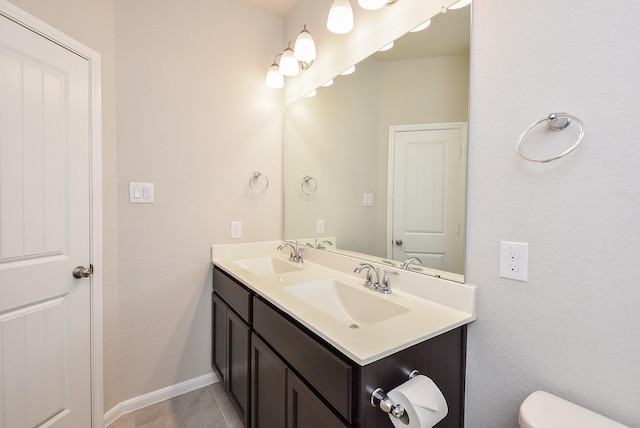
(344,303)
(265,266)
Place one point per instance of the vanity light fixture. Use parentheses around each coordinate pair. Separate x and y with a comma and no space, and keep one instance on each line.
(327,83)
(304,50)
(386,47)
(459,5)
(348,71)
(372,4)
(375,4)
(422,26)
(340,20)
(274,79)
(311,94)
(288,63)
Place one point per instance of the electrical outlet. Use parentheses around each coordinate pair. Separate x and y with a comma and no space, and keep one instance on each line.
(514,260)
(236,229)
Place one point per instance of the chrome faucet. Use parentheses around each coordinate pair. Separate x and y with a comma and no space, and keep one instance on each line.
(321,244)
(407,263)
(371,270)
(380,285)
(296,253)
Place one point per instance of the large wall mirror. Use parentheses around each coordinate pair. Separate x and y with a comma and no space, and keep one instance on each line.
(376,162)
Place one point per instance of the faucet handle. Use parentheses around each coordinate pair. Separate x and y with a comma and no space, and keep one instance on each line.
(385,284)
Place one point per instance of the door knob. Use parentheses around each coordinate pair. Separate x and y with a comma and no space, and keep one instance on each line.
(398,241)
(82,272)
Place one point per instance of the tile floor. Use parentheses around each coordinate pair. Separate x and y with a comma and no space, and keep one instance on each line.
(207,407)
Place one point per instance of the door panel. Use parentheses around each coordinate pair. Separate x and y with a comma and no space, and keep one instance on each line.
(426,196)
(45,322)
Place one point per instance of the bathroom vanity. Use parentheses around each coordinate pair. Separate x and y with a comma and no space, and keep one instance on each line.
(288,358)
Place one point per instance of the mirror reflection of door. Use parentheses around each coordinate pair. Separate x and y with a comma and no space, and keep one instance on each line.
(425,209)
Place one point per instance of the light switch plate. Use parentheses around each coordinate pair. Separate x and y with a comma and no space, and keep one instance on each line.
(236,229)
(141,193)
(368,200)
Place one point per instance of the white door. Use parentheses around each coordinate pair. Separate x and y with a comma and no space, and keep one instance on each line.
(426,174)
(45,313)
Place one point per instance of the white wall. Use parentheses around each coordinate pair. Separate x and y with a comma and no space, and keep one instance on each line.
(571,328)
(196,119)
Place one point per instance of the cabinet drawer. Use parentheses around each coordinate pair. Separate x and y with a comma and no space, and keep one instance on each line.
(235,295)
(329,375)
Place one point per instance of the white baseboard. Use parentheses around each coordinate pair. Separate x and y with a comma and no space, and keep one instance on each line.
(153,397)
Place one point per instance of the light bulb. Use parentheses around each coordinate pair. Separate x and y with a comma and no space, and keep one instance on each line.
(372,4)
(460,4)
(422,26)
(386,47)
(274,79)
(348,71)
(340,20)
(304,49)
(288,63)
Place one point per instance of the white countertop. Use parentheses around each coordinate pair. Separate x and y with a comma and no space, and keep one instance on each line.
(434,305)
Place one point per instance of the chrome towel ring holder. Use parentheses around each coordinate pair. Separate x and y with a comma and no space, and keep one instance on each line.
(309,185)
(258,185)
(557,122)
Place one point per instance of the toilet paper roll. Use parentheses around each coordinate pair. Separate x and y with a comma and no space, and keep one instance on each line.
(423,402)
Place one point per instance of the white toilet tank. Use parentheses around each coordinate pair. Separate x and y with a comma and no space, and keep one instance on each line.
(544,410)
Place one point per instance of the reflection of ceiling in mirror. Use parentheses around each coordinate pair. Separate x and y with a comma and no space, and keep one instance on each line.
(449,34)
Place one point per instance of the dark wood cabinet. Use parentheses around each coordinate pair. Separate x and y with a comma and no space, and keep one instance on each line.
(231,341)
(278,373)
(304,408)
(268,386)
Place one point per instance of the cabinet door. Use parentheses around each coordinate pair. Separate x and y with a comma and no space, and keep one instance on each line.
(268,387)
(237,382)
(305,410)
(219,342)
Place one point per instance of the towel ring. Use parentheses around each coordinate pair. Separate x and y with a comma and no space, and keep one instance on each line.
(255,179)
(305,181)
(557,122)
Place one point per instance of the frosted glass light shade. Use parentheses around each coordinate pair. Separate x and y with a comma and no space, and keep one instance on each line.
(421,27)
(274,78)
(386,47)
(372,4)
(304,49)
(348,71)
(459,5)
(289,64)
(340,20)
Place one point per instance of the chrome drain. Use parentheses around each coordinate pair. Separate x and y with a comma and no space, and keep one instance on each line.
(354,326)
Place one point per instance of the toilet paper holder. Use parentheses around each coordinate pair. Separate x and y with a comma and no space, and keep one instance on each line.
(380,399)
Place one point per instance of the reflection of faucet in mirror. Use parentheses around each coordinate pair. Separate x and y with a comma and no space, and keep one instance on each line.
(321,244)
(295,255)
(407,263)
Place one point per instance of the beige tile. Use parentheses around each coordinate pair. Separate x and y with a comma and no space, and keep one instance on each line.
(228,411)
(205,415)
(178,411)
